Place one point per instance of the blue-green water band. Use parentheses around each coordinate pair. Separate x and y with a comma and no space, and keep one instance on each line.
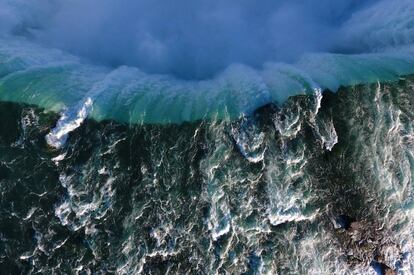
(55,80)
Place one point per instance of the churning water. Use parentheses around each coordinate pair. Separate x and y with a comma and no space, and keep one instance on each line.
(206,137)
(321,185)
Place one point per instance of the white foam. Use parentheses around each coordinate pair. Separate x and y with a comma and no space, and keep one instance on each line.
(68,122)
(249,140)
(59,158)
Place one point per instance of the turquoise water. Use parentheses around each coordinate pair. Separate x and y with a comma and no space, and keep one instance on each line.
(56,81)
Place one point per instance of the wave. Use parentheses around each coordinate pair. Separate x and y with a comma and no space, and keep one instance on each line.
(58,81)
(248,55)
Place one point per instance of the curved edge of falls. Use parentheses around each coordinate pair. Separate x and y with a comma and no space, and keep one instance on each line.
(60,82)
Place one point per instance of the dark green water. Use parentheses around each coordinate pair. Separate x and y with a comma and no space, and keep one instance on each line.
(267,194)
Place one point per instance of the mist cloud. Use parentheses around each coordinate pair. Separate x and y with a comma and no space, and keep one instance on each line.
(197,39)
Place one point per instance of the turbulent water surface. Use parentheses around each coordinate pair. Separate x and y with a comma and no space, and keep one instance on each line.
(321,185)
(206,137)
